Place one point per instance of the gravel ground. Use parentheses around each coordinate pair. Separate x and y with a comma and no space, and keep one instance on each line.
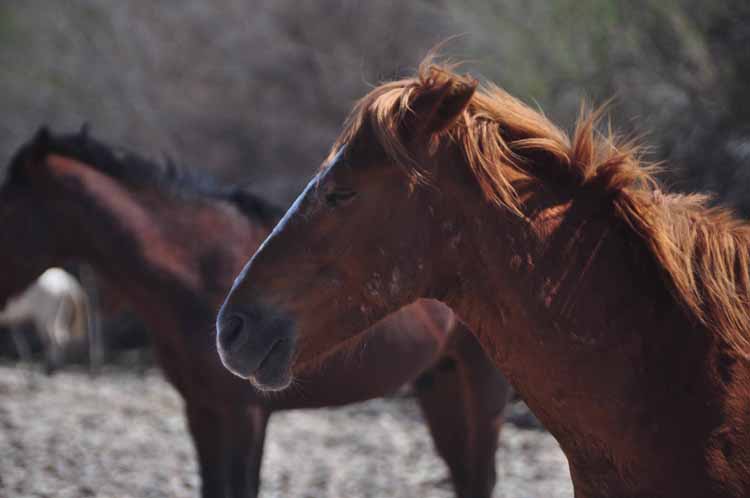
(122,435)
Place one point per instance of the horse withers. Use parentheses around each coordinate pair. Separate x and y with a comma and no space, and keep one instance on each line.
(619,312)
(171,245)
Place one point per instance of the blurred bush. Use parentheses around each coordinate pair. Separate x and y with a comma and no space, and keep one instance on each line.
(256,90)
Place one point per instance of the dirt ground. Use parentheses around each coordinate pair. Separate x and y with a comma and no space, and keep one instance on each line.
(122,435)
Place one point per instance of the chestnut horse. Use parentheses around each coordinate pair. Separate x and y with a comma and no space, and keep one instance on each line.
(172,246)
(620,313)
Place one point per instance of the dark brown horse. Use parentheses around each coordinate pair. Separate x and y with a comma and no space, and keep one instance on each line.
(172,246)
(619,313)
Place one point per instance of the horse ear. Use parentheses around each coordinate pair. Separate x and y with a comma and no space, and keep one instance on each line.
(439,103)
(40,142)
(83,134)
(24,161)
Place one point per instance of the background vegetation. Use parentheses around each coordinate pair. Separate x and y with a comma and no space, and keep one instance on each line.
(255,90)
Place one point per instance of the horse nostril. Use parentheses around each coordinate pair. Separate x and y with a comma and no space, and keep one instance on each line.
(233,333)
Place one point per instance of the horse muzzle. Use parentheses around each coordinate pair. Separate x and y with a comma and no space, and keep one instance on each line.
(256,343)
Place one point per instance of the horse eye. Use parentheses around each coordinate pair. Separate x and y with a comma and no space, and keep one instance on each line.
(339,197)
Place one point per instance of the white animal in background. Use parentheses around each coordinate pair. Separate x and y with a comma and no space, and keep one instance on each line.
(57,305)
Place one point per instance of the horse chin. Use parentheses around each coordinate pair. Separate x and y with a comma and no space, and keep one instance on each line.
(271,383)
(275,372)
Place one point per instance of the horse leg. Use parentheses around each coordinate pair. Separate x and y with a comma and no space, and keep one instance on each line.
(21,344)
(462,399)
(52,349)
(96,348)
(89,305)
(58,332)
(247,436)
(205,427)
(24,352)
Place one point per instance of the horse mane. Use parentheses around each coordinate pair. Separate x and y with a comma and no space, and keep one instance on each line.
(701,250)
(135,170)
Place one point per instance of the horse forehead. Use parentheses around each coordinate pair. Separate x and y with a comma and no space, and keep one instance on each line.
(304,205)
(336,158)
(58,280)
(329,167)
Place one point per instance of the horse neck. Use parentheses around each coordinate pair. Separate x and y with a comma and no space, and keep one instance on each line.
(156,248)
(574,311)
